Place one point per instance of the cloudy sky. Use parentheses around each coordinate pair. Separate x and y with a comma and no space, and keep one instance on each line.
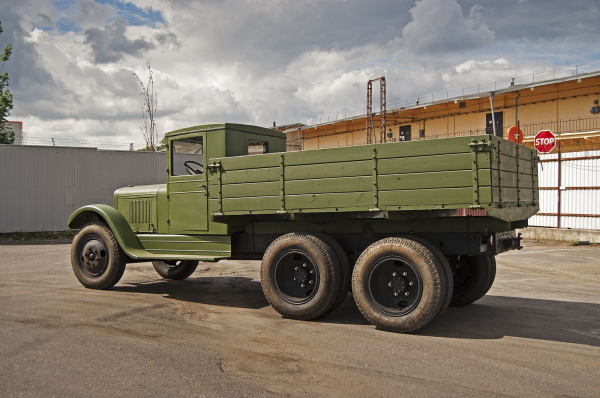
(259,61)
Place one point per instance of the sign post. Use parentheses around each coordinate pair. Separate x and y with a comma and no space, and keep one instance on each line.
(545,141)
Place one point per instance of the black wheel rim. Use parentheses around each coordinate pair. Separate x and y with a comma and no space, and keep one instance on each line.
(463,274)
(395,286)
(296,277)
(94,256)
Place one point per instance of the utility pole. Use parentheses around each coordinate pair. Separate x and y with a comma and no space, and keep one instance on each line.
(493,116)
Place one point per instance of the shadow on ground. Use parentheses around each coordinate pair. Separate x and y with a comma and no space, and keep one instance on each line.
(492,317)
(230,291)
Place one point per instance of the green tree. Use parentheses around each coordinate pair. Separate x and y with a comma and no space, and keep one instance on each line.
(162,146)
(6,99)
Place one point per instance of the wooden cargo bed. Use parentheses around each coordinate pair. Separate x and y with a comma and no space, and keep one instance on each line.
(453,173)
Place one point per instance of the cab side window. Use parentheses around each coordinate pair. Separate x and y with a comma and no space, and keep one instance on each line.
(256,147)
(187,156)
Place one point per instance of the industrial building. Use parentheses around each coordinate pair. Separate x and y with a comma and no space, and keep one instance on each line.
(563,101)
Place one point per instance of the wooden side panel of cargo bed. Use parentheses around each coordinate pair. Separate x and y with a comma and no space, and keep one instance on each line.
(514,171)
(407,175)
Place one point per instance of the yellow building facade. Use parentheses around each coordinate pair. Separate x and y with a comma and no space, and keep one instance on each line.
(567,106)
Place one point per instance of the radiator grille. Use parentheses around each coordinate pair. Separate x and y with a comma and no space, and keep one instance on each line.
(140,211)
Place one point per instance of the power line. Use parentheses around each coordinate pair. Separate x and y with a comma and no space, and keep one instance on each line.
(53,141)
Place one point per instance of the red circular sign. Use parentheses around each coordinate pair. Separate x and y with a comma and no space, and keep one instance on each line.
(545,141)
(515,135)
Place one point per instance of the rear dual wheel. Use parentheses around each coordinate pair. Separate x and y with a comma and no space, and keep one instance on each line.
(398,284)
(301,275)
(401,285)
(345,272)
(473,277)
(444,265)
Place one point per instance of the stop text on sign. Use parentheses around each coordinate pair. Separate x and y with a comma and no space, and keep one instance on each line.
(545,141)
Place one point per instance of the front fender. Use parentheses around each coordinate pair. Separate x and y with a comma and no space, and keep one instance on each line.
(118,224)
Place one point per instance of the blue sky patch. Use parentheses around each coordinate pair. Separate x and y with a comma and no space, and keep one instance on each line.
(133,15)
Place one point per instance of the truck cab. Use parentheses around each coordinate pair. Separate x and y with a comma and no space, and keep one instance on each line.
(188,154)
(181,205)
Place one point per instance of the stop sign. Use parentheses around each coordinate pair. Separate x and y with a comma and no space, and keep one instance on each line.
(545,141)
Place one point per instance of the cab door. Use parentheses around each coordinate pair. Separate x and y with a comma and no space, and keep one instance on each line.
(188,184)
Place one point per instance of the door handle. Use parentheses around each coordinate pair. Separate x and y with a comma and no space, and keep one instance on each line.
(202,186)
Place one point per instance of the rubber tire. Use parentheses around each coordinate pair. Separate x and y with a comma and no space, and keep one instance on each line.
(484,274)
(178,272)
(329,274)
(117,258)
(446,269)
(432,277)
(345,269)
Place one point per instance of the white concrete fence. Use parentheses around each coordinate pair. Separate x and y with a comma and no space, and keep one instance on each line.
(41,186)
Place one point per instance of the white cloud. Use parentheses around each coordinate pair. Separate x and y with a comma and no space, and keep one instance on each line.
(438,26)
(283,60)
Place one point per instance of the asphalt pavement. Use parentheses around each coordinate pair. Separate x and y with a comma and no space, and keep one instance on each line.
(536,333)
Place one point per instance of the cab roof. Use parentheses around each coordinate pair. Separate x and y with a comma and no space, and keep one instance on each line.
(227,126)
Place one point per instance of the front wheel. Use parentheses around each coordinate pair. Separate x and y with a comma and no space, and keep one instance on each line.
(399,285)
(97,258)
(176,269)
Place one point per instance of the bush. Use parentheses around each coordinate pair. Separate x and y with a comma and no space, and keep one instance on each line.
(575,241)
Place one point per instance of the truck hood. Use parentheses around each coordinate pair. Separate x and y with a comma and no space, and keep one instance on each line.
(140,190)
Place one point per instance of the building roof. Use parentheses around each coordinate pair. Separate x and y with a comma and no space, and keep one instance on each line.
(483,91)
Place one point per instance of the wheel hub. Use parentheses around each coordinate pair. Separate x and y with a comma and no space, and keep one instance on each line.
(398,284)
(297,277)
(94,258)
(462,272)
(300,275)
(395,286)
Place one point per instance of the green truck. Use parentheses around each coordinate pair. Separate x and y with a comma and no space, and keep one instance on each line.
(409,228)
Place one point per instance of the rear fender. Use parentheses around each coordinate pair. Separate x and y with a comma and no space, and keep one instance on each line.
(118,224)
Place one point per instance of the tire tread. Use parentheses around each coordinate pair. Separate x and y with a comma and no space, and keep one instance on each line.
(115,273)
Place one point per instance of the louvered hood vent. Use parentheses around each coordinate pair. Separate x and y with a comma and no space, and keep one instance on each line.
(140,211)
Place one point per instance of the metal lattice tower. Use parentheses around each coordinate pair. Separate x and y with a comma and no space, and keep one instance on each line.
(370,124)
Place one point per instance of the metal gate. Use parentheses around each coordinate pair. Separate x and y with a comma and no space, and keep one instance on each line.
(569,191)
